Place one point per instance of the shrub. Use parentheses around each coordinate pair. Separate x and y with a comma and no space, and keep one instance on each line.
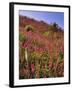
(34,56)
(50,27)
(61,56)
(55,25)
(46,34)
(45,56)
(29,28)
(22,37)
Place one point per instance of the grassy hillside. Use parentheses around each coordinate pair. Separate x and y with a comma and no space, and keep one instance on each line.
(44,45)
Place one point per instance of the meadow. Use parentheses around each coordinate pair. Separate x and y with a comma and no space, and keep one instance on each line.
(41,49)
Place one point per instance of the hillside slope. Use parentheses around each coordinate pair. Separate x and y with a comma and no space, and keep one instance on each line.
(45,48)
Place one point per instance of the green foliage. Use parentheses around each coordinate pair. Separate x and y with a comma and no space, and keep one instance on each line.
(41,73)
(54,60)
(45,56)
(29,28)
(46,34)
(61,56)
(53,26)
(50,27)
(34,56)
(47,72)
(22,37)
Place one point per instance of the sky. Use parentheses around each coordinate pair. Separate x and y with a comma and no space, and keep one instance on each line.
(48,17)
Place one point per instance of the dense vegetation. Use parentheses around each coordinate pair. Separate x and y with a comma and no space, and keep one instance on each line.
(41,49)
